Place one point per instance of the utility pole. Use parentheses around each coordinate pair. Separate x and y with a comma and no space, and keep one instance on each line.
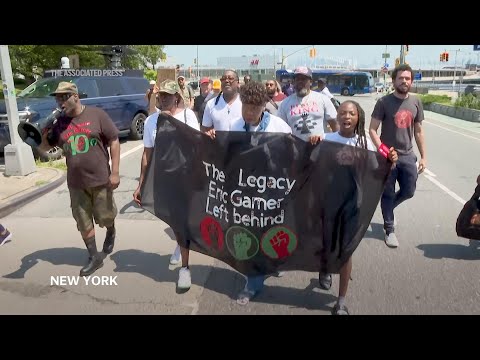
(198,71)
(18,155)
(274,62)
(402,54)
(455,70)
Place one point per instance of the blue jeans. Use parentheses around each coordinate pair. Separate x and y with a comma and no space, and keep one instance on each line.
(255,283)
(405,172)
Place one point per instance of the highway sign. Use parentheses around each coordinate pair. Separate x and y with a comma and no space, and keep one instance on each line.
(417,76)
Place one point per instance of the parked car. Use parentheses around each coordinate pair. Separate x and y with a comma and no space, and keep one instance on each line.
(122,97)
(473,89)
(379,87)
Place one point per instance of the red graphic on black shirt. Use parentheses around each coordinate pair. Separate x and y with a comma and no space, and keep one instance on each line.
(403,119)
(212,233)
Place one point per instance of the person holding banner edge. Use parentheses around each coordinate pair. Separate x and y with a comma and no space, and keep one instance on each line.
(170,100)
(351,119)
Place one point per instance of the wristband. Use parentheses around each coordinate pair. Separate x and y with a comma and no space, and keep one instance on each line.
(383,149)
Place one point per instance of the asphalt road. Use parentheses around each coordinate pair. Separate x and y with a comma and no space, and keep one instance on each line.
(432,272)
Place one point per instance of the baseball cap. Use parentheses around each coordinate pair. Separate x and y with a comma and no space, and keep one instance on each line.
(323,80)
(303,70)
(204,80)
(152,82)
(181,77)
(217,85)
(169,87)
(65,87)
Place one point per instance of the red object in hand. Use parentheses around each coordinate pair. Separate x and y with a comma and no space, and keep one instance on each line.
(383,149)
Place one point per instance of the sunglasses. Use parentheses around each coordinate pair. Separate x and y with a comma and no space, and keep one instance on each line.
(229,78)
(269,84)
(63,97)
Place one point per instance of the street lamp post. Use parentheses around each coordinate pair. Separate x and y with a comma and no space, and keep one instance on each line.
(198,71)
(455,69)
(284,57)
(18,155)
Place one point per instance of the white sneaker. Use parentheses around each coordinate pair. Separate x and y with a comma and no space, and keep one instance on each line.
(176,256)
(184,279)
(391,240)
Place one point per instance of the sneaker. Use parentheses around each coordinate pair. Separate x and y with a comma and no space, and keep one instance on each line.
(176,256)
(325,281)
(184,279)
(5,237)
(391,240)
(337,310)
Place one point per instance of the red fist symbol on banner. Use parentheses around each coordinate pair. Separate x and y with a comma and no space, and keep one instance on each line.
(280,243)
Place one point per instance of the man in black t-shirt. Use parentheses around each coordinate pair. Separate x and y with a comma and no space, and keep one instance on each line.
(85,133)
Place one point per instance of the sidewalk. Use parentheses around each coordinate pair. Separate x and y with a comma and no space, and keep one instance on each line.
(17,191)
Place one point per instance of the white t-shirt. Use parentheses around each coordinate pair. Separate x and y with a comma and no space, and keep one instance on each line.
(326,92)
(317,109)
(336,137)
(150,126)
(222,115)
(275,125)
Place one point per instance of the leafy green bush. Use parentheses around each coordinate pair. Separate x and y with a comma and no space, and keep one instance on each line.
(428,99)
(151,74)
(468,101)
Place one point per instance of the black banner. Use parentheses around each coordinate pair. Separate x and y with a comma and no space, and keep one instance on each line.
(263,202)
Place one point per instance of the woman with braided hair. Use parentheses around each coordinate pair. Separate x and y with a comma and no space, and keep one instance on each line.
(351,119)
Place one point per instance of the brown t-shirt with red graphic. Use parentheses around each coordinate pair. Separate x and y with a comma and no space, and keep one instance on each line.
(84,140)
(398,117)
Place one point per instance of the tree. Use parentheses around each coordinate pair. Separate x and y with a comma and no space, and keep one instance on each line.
(30,60)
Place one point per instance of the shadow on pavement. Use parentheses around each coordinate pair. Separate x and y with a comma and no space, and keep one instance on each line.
(156,267)
(55,256)
(220,280)
(133,204)
(230,283)
(376,232)
(452,251)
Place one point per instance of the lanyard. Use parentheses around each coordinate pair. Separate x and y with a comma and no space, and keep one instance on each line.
(263,123)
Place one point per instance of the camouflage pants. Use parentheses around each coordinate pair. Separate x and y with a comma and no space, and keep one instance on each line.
(93,203)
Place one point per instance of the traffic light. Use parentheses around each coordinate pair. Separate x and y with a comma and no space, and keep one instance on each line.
(407,47)
(397,61)
(446,56)
(195,60)
(177,67)
(441,57)
(313,52)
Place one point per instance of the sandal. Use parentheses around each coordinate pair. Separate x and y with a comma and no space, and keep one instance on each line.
(245,296)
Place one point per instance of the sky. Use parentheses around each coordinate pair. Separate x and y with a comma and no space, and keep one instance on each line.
(419,56)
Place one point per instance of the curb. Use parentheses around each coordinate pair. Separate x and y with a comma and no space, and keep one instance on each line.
(22,200)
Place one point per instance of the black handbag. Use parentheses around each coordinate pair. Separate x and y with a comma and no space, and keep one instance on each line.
(468,221)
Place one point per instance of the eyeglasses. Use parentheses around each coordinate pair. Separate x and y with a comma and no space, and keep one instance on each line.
(229,78)
(63,97)
(269,84)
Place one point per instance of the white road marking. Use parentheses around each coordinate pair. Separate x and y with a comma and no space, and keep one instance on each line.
(446,190)
(131,151)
